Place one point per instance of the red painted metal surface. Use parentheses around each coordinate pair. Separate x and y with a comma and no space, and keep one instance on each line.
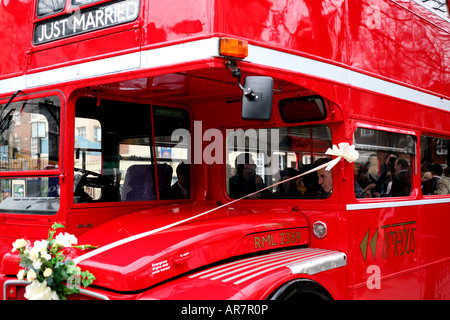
(252,278)
(154,258)
(318,30)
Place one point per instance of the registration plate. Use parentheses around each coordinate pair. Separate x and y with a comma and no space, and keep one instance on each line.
(287,237)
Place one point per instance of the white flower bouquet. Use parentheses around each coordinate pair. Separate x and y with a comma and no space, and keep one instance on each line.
(53,275)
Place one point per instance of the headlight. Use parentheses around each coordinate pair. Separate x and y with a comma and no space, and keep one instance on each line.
(319,229)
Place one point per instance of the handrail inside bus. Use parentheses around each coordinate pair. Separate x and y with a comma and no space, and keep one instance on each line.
(382,148)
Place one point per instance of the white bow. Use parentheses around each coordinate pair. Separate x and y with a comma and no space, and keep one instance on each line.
(345,151)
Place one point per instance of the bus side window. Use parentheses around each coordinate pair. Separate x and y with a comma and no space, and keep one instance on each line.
(385,165)
(114,156)
(434,165)
(293,150)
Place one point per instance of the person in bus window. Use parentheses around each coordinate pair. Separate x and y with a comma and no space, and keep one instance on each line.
(325,179)
(359,192)
(246,181)
(387,171)
(309,187)
(180,189)
(426,176)
(292,189)
(429,180)
(438,184)
(401,180)
(6,193)
(368,184)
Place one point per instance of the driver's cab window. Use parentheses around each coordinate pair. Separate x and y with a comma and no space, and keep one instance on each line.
(29,155)
(120,156)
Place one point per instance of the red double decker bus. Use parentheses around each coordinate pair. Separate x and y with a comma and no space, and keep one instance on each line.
(183,139)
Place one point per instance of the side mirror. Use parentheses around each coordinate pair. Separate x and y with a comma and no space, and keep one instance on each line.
(257,98)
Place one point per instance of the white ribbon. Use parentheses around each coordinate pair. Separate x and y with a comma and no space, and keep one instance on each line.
(343,151)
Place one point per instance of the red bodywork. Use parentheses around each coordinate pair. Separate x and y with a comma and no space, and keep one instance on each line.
(345,51)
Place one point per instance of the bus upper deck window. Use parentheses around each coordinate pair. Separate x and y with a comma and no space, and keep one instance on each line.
(302,109)
(45,7)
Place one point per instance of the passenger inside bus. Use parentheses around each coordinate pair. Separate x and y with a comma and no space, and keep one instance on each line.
(315,185)
(387,171)
(368,184)
(394,180)
(246,181)
(310,183)
(325,179)
(291,189)
(437,184)
(401,180)
(274,155)
(181,188)
(435,165)
(385,163)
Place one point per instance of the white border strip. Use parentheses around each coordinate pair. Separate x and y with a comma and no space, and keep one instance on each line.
(343,75)
(13,84)
(379,205)
(180,53)
(207,48)
(85,70)
(165,56)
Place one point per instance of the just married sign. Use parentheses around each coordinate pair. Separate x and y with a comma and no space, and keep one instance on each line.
(81,21)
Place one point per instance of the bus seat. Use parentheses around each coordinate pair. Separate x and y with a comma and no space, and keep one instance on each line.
(164,180)
(139,186)
(138,183)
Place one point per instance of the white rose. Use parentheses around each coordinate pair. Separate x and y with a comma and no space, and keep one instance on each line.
(31,275)
(37,264)
(48,272)
(18,244)
(40,291)
(65,240)
(34,255)
(47,256)
(21,274)
(40,247)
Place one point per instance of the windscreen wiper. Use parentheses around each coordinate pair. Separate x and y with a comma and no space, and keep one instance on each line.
(5,121)
(10,100)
